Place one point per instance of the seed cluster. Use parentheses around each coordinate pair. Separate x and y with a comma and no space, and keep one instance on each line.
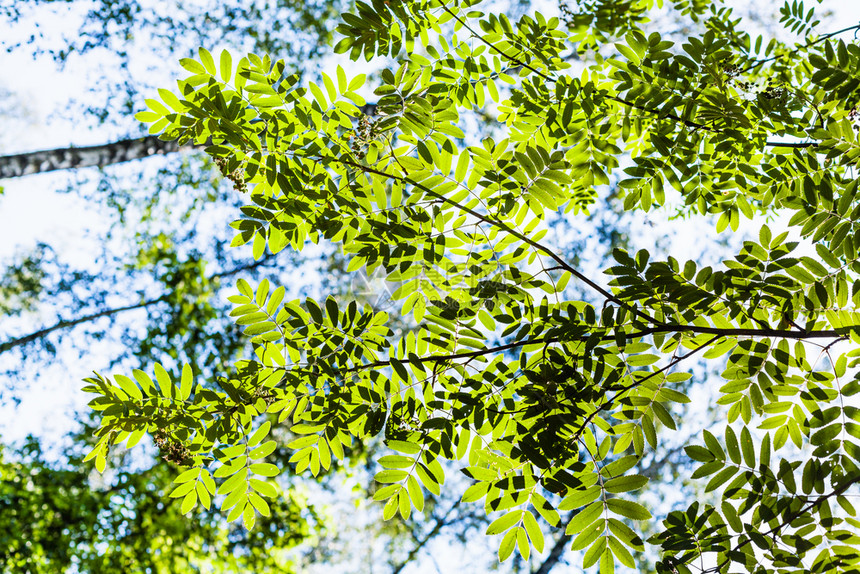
(172,450)
(237,176)
(364,133)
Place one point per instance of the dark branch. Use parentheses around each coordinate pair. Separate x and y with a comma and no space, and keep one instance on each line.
(789,519)
(792,144)
(66,324)
(717,332)
(626,388)
(492,46)
(758,63)
(662,114)
(504,227)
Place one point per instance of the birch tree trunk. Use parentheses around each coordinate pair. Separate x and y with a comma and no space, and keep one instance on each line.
(22,164)
(29,163)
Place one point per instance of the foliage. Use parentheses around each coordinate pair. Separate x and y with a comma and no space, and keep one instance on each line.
(545,401)
(55,520)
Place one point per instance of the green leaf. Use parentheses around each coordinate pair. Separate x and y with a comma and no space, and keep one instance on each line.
(663,415)
(264,469)
(462,166)
(261,433)
(699,453)
(533,530)
(264,488)
(416,493)
(579,498)
(523,543)
(390,475)
(621,552)
(748,448)
(396,461)
(403,446)
(207,60)
(318,95)
(189,502)
(628,53)
(357,82)
(164,382)
(625,534)
(259,504)
(263,450)
(593,554)
(183,489)
(585,518)
(628,509)
(732,445)
(713,445)
(314,310)
(607,562)
(187,382)
(508,544)
(642,360)
(249,517)
(226,65)
(625,483)
(129,387)
(732,517)
(721,478)
(203,495)
(504,522)
(192,66)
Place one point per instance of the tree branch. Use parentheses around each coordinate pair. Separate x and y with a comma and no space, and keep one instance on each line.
(626,388)
(65,324)
(799,145)
(440,523)
(504,227)
(620,100)
(557,549)
(43,161)
(791,518)
(492,46)
(68,323)
(758,63)
(717,332)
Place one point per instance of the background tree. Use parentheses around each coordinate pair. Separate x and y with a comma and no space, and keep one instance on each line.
(150,292)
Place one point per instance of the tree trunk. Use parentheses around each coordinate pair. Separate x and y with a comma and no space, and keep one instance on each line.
(22,164)
(29,163)
(557,549)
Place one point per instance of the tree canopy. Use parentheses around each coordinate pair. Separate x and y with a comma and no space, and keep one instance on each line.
(545,401)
